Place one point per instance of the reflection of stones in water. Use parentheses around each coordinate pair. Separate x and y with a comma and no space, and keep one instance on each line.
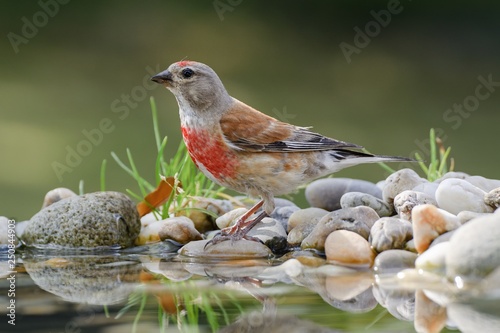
(263,322)
(478,315)
(399,303)
(91,280)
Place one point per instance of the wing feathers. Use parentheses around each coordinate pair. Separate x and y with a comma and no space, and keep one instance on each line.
(247,129)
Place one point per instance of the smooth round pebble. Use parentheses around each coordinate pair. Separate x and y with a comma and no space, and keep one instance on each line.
(474,249)
(56,195)
(428,223)
(358,219)
(355,199)
(306,215)
(348,248)
(393,261)
(230,217)
(179,228)
(326,193)
(456,195)
(390,233)
(402,180)
(406,200)
(226,249)
(465,216)
(85,221)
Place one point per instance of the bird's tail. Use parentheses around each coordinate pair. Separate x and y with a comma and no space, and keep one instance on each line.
(348,158)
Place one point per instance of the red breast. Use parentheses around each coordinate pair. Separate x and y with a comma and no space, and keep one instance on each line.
(210,153)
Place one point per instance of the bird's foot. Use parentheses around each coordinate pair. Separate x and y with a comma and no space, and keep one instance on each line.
(238,231)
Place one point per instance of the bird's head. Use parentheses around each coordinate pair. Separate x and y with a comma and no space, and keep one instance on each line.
(195,86)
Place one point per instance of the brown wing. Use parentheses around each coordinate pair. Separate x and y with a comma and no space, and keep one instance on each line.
(248,129)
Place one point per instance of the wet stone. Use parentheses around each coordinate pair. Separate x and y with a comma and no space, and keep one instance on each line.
(475,249)
(400,181)
(226,249)
(406,200)
(359,220)
(5,226)
(230,218)
(87,221)
(326,193)
(355,199)
(456,195)
(390,233)
(393,261)
(433,260)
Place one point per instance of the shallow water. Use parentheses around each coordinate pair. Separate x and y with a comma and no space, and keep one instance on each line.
(137,292)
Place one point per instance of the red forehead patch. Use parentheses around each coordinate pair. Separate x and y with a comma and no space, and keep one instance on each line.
(184,63)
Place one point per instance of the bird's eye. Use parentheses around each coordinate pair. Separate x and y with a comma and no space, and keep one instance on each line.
(187,72)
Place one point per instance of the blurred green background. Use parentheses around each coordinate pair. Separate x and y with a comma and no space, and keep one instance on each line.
(79,62)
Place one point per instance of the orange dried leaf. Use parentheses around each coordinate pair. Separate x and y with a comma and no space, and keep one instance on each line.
(156,198)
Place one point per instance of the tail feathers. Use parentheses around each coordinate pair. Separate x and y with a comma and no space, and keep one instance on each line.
(350,157)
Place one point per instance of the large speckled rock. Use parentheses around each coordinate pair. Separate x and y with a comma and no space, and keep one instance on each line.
(87,221)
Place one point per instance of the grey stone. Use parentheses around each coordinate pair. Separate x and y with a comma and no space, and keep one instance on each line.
(355,199)
(390,233)
(484,184)
(402,180)
(475,249)
(453,174)
(326,193)
(406,200)
(393,261)
(87,221)
(282,214)
(358,219)
(307,215)
(267,229)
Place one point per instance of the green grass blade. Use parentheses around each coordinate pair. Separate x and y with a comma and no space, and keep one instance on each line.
(103,175)
(80,187)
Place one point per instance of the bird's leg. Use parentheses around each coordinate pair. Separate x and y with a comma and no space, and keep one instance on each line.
(242,226)
(242,220)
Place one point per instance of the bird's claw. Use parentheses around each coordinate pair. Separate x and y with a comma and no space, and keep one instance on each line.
(240,233)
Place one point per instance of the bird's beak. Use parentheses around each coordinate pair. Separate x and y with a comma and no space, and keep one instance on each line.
(162,77)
